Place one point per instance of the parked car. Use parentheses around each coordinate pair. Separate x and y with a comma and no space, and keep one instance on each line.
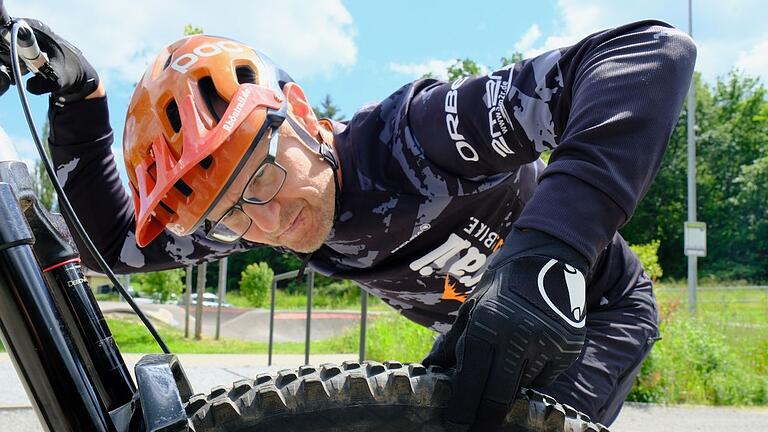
(209,299)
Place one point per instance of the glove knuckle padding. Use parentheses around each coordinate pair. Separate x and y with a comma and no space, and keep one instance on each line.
(532,343)
(523,325)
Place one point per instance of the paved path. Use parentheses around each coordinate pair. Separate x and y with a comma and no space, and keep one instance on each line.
(207,371)
(251,324)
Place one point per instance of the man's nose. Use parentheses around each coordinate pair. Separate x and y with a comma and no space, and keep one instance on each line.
(265,216)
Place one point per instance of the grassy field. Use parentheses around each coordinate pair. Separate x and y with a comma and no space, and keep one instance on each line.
(389,337)
(717,356)
(132,336)
(287,301)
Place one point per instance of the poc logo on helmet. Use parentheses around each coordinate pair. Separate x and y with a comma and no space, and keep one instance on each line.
(186,61)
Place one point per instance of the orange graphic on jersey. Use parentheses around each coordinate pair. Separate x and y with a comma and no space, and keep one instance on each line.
(450,293)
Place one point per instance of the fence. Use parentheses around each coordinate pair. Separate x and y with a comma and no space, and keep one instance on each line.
(310,277)
(734,307)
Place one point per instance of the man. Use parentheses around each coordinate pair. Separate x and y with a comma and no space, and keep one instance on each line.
(433,200)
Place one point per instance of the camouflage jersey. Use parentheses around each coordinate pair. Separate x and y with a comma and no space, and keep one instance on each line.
(436,175)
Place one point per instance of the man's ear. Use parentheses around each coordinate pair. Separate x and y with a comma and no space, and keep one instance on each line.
(300,108)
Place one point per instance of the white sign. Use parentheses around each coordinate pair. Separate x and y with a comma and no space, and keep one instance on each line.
(696,239)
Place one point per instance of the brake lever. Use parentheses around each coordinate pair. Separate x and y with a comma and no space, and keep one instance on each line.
(28,50)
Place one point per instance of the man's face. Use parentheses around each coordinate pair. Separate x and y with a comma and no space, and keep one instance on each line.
(301,214)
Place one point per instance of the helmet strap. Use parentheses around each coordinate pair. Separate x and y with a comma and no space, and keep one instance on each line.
(325,152)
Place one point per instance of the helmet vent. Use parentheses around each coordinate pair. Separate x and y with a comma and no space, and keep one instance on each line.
(183,187)
(216,105)
(168,62)
(168,209)
(206,163)
(172,111)
(245,75)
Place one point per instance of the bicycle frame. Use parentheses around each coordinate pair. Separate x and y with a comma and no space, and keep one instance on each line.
(56,335)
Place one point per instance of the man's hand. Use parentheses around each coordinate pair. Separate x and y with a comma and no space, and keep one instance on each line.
(523,326)
(76,77)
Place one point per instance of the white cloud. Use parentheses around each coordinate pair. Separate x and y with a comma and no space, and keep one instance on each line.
(9,149)
(438,68)
(120,37)
(528,39)
(727,33)
(756,59)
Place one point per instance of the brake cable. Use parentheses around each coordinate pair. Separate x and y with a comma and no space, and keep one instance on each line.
(69,212)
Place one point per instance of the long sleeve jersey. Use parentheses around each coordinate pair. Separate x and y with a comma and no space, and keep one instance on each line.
(436,175)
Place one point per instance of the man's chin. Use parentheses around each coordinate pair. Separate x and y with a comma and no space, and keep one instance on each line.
(308,244)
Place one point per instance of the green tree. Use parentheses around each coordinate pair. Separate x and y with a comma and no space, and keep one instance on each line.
(464,67)
(514,58)
(41,182)
(328,109)
(161,284)
(190,30)
(469,67)
(255,281)
(731,137)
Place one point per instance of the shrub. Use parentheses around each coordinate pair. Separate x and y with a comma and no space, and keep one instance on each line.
(255,281)
(161,284)
(697,363)
(649,257)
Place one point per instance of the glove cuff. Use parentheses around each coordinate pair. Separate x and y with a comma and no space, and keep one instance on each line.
(529,242)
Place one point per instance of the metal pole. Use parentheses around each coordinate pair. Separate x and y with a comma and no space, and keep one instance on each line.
(222,292)
(271,322)
(310,286)
(282,276)
(692,259)
(363,321)
(199,306)
(187,299)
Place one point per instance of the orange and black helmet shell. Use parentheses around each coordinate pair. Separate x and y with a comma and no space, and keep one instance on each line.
(190,125)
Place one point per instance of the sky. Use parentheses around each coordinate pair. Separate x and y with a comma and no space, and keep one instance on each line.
(360,51)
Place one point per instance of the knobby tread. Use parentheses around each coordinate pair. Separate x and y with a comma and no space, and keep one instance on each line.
(368,396)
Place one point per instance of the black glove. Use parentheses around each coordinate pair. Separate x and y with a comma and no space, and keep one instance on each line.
(523,326)
(76,77)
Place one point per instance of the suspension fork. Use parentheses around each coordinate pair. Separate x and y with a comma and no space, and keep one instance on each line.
(76,307)
(36,336)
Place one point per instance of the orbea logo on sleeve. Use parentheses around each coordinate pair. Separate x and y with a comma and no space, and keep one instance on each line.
(186,61)
(466,151)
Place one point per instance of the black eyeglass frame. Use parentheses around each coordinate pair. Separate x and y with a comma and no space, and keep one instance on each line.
(269,159)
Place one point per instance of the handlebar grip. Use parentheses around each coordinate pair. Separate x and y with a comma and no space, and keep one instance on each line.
(5,19)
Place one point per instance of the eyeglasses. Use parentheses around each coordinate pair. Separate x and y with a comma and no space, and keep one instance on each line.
(263,185)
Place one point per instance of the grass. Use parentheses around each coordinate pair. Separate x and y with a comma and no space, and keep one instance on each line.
(288,301)
(132,336)
(718,356)
(388,337)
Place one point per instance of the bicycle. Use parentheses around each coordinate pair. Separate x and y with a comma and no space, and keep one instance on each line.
(76,379)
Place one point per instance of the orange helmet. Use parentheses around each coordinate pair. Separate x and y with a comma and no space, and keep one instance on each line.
(194,119)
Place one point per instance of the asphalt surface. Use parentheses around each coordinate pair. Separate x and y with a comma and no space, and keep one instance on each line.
(207,371)
(251,324)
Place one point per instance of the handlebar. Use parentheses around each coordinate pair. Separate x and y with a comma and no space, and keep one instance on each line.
(5,19)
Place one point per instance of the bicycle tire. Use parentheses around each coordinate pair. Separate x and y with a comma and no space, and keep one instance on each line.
(372,396)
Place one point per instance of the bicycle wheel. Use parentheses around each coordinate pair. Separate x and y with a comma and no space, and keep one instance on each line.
(388,397)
